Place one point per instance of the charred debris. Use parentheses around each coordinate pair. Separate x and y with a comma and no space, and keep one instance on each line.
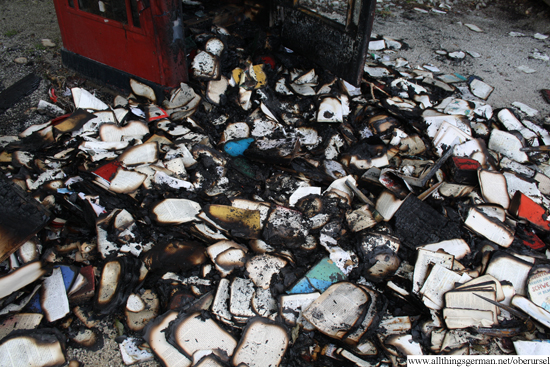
(267,213)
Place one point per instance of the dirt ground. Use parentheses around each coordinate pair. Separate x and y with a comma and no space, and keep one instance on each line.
(25,23)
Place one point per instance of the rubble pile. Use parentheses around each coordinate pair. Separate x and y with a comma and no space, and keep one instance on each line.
(267,213)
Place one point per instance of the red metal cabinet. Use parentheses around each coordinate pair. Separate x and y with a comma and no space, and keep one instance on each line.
(113,40)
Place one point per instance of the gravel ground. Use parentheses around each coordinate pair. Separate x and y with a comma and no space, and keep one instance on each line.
(499,53)
(24,23)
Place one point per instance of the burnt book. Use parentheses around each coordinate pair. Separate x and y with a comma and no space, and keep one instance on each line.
(21,321)
(83,288)
(537,313)
(133,351)
(489,227)
(143,90)
(156,338)
(480,89)
(118,279)
(111,132)
(21,277)
(86,338)
(42,347)
(424,262)
(193,334)
(494,188)
(464,170)
(506,267)
(439,281)
(227,256)
(387,204)
(484,282)
(508,145)
(523,207)
(464,318)
(538,286)
(275,340)
(53,299)
(325,313)
(86,100)
(456,247)
(176,211)
(140,309)
(240,223)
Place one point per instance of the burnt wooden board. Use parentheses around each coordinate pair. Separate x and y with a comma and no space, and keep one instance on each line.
(21,217)
(417,224)
(18,90)
(342,49)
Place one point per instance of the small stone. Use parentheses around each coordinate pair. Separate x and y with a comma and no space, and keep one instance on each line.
(526,69)
(458,55)
(539,55)
(421,10)
(473,27)
(525,109)
(47,42)
(21,60)
(431,68)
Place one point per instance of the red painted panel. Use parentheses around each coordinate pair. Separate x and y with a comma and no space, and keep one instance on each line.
(150,52)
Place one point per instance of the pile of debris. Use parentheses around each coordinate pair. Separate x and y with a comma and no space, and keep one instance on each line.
(268,213)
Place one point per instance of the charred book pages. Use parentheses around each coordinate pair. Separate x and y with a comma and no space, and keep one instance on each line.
(268,213)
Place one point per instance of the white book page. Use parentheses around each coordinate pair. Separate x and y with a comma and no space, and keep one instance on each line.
(54,298)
